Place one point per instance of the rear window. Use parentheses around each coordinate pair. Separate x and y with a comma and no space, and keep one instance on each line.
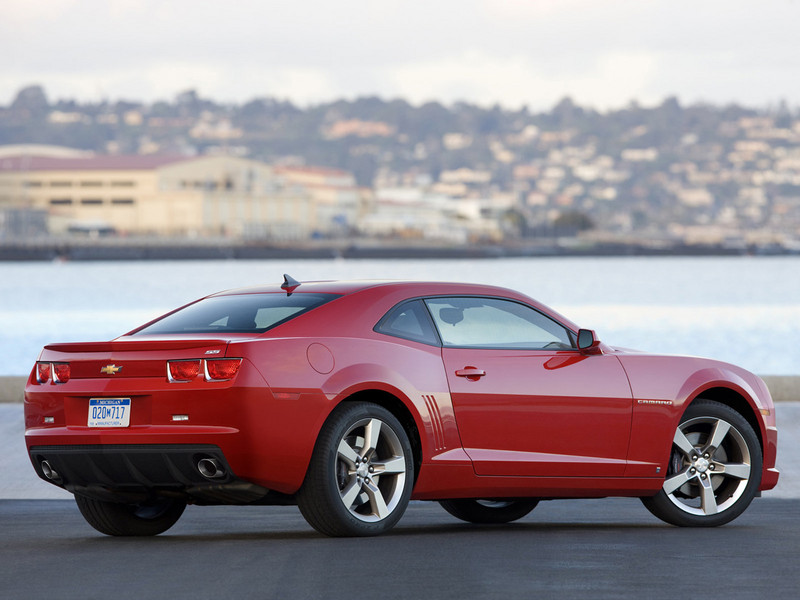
(246,313)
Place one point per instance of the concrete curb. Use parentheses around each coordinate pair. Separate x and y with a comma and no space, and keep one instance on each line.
(12,388)
(784,388)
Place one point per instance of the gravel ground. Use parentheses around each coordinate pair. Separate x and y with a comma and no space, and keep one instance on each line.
(20,482)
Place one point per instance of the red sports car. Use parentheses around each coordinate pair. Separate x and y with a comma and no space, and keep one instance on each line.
(352,398)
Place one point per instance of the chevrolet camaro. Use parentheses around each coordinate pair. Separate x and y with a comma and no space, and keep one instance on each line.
(351,398)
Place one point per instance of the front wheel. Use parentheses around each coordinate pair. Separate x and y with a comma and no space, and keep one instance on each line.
(714,468)
(361,473)
(488,511)
(145,518)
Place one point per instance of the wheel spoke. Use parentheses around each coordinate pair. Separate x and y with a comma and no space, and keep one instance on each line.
(396,464)
(372,432)
(707,499)
(350,492)
(673,483)
(737,470)
(347,454)
(682,442)
(376,500)
(721,429)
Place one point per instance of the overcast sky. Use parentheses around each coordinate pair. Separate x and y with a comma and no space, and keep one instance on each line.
(602,53)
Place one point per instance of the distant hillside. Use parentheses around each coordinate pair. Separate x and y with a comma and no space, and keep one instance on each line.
(630,170)
(361,136)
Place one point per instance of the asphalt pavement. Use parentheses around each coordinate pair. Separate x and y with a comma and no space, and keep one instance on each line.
(564,549)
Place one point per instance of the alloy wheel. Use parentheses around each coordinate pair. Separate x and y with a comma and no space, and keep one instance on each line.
(710,466)
(370,470)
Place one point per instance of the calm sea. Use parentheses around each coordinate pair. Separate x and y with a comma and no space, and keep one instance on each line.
(744,310)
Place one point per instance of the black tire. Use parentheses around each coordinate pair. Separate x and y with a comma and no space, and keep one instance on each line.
(361,473)
(144,519)
(714,468)
(488,511)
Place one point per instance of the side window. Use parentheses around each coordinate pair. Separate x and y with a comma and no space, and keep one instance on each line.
(495,323)
(410,321)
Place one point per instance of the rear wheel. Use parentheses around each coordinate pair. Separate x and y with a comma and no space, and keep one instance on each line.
(361,473)
(714,468)
(146,518)
(488,511)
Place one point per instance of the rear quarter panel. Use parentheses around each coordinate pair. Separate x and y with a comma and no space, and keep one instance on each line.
(308,378)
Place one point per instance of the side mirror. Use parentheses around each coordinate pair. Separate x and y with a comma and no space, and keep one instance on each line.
(587,340)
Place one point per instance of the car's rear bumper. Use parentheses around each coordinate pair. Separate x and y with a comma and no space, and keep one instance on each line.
(256,432)
(199,473)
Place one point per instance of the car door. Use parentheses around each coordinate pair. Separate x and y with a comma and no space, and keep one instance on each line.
(526,400)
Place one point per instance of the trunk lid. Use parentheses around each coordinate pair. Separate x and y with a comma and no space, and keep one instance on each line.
(130,358)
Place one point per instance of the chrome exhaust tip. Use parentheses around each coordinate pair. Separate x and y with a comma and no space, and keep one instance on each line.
(49,471)
(210,468)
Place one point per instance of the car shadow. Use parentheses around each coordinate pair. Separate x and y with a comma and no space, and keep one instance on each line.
(439,530)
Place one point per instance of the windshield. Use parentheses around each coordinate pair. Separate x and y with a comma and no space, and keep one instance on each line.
(245,313)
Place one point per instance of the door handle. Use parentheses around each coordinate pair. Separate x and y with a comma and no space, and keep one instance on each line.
(471,373)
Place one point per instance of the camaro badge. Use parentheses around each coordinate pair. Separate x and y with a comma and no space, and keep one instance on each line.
(111,369)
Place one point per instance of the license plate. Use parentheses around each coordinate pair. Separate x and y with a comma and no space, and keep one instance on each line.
(109,412)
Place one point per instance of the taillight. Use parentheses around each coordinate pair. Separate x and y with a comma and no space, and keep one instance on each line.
(42,372)
(58,372)
(218,369)
(61,372)
(183,370)
(221,369)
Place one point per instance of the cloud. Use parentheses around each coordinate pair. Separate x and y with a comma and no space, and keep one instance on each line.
(510,51)
(606,81)
(217,81)
(536,9)
(18,14)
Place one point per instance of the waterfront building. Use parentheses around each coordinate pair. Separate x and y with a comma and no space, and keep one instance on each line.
(338,201)
(175,195)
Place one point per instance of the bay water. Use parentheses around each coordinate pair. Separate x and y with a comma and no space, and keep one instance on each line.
(744,310)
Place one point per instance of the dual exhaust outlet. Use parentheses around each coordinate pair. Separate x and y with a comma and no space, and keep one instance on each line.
(210,468)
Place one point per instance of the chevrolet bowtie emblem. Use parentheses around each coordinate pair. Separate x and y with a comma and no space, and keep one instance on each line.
(111,369)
